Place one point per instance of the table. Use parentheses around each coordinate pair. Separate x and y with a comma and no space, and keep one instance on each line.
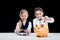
(13,36)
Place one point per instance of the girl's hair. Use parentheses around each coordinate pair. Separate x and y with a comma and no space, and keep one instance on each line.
(20,21)
(38,8)
(22,11)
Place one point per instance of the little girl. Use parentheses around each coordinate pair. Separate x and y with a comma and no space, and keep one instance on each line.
(23,25)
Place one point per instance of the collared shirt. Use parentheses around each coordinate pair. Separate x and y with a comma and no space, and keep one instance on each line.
(29,26)
(36,21)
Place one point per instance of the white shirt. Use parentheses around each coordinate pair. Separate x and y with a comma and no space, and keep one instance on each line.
(36,21)
(29,26)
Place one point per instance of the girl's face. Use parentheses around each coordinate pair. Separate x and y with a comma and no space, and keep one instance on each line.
(24,16)
(38,14)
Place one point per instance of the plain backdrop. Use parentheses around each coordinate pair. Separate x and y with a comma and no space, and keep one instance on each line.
(10,13)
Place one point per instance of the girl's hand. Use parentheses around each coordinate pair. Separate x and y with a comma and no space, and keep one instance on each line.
(26,31)
(18,30)
(46,18)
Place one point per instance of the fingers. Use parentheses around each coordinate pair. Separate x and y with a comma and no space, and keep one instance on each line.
(26,31)
(18,30)
(46,18)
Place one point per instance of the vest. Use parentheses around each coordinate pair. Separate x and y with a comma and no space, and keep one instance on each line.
(24,27)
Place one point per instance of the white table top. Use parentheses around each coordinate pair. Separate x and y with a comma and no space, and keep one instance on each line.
(13,36)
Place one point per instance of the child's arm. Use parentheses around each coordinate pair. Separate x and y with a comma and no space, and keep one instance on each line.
(48,19)
(17,29)
(34,22)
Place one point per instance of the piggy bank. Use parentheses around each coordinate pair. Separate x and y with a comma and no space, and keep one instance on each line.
(41,30)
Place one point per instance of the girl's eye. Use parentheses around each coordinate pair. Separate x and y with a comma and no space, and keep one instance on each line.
(25,16)
(22,16)
(40,13)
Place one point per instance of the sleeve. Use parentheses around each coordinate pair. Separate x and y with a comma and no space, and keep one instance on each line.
(51,20)
(34,23)
(17,27)
(29,26)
